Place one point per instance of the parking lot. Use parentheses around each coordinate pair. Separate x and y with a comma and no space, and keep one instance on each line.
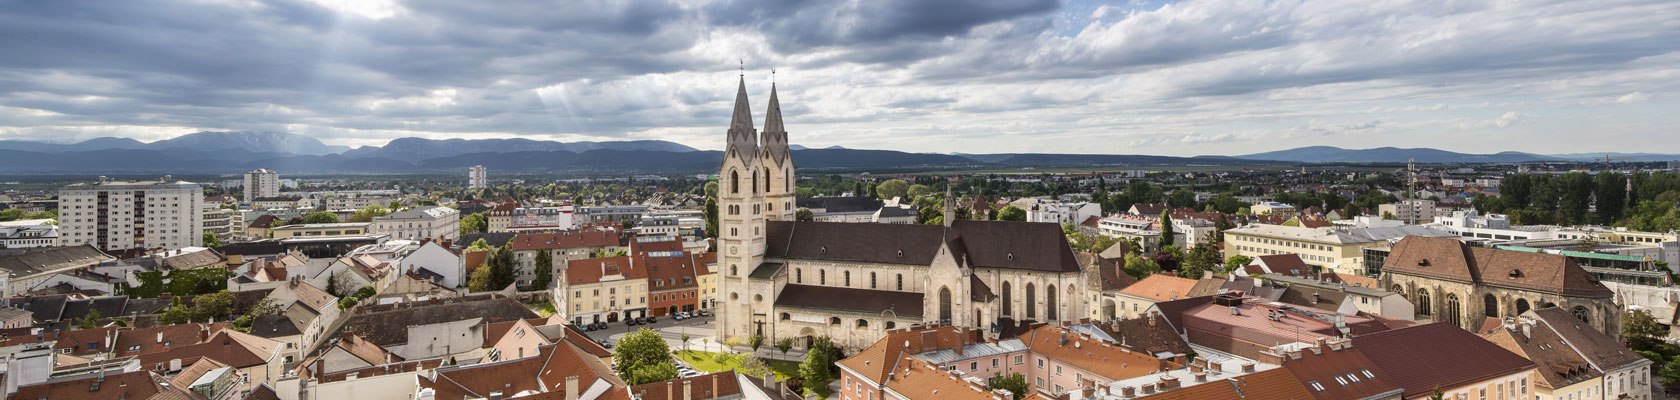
(699,330)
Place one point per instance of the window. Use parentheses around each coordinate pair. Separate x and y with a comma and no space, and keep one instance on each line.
(822,277)
(1058,370)
(871,280)
(1019,360)
(974,366)
(900,281)
(798,276)
(848,277)
(994,362)
(1315,385)
(1040,363)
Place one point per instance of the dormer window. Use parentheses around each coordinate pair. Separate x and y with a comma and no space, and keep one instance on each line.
(1515,273)
(1423,262)
(900,253)
(1009,256)
(822,250)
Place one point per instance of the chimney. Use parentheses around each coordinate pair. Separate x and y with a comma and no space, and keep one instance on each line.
(1248,368)
(572,387)
(1148,388)
(1201,377)
(1525,330)
(1128,392)
(688,390)
(1216,367)
(1151,320)
(1169,382)
(670,389)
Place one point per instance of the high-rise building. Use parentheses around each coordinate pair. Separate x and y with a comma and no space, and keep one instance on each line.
(121,215)
(261,183)
(477,177)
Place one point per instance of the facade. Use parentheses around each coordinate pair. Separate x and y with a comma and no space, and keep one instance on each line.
(604,290)
(1272,208)
(222,222)
(261,183)
(1452,282)
(28,233)
(121,215)
(478,177)
(542,218)
(500,217)
(1583,363)
(852,282)
(1058,212)
(332,229)
(1135,299)
(355,202)
(434,222)
(1412,211)
(1336,250)
(561,247)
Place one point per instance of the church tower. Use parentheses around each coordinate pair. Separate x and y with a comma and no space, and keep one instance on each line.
(778,164)
(741,203)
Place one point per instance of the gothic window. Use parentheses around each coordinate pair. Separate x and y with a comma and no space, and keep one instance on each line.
(871,280)
(1581,313)
(1423,303)
(755,181)
(944,304)
(1050,299)
(891,325)
(734,270)
(1399,290)
(798,276)
(787,181)
(822,277)
(1452,312)
(1008,308)
(1522,307)
(847,275)
(766,180)
(900,281)
(734,181)
(1032,309)
(1490,305)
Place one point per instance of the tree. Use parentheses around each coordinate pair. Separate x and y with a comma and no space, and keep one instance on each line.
(1237,262)
(320,217)
(1202,257)
(756,341)
(1670,373)
(818,359)
(711,216)
(643,357)
(1640,324)
(545,270)
(1139,267)
(711,189)
(803,214)
(479,280)
(784,344)
(481,245)
(1166,228)
(263,307)
(89,321)
(918,190)
(477,222)
(1181,198)
(367,214)
(213,306)
(210,240)
(1015,383)
(892,188)
(1012,213)
(685,341)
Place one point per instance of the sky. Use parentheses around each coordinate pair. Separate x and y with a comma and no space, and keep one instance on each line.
(972,76)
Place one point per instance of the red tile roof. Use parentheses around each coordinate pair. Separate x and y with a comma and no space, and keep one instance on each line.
(1160,287)
(545,372)
(235,349)
(591,270)
(1343,371)
(565,240)
(130,385)
(709,386)
(1450,259)
(1094,355)
(1274,384)
(875,361)
(1423,357)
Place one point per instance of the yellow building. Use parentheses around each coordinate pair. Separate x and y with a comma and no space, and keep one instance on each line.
(706,268)
(606,289)
(336,229)
(1340,250)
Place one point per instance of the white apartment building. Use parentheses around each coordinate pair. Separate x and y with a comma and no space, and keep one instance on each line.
(222,222)
(261,183)
(355,202)
(562,217)
(1053,211)
(121,215)
(437,223)
(1412,211)
(28,233)
(478,177)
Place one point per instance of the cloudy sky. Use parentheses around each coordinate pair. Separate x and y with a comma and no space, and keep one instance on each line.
(1173,78)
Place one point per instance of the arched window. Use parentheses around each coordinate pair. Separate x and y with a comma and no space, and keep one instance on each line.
(871,280)
(1581,313)
(787,180)
(798,275)
(862,323)
(734,181)
(1453,311)
(944,304)
(1522,306)
(734,270)
(755,182)
(834,320)
(1423,303)
(822,277)
(891,325)
(767,180)
(1050,303)
(1008,308)
(900,281)
(847,275)
(1490,305)
(786,316)
(1032,303)
(1399,290)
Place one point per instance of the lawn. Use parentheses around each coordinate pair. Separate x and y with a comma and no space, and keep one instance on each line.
(712,362)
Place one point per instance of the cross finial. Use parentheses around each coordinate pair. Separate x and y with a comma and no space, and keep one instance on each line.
(743,66)
(773,78)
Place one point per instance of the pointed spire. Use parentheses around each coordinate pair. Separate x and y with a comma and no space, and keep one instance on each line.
(775,139)
(742,141)
(773,115)
(743,109)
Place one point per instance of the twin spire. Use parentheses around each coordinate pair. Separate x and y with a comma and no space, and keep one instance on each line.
(744,141)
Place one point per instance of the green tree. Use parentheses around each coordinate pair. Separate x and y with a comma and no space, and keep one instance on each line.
(367,214)
(1139,267)
(479,280)
(712,216)
(804,214)
(918,190)
(1202,257)
(1012,213)
(711,189)
(643,357)
(1015,383)
(545,270)
(89,320)
(1237,262)
(816,368)
(480,245)
(1166,228)
(1640,324)
(1181,198)
(784,344)
(892,188)
(502,270)
(263,307)
(684,338)
(1670,373)
(477,222)
(756,341)
(216,305)
(320,217)
(210,240)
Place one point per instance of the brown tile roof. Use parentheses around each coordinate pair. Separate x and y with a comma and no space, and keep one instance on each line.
(388,325)
(1206,287)
(704,262)
(1422,357)
(544,372)
(175,335)
(918,380)
(583,342)
(1174,310)
(875,361)
(1603,351)
(129,385)
(591,270)
(1160,287)
(978,291)
(1449,259)
(985,244)
(1111,270)
(565,240)
(1094,355)
(191,373)
(1149,334)
(1557,365)
(905,304)
(476,258)
(709,386)
(235,349)
(495,330)
(1331,367)
(1288,264)
(1274,384)
(1327,300)
(667,272)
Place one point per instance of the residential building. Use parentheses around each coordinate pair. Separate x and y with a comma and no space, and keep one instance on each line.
(433,222)
(525,218)
(23,270)
(1133,300)
(561,370)
(261,183)
(1425,358)
(28,233)
(1344,298)
(356,202)
(1146,231)
(478,177)
(604,290)
(1248,327)
(330,229)
(121,215)
(500,217)
(782,278)
(224,223)
(1057,212)
(434,260)
(1453,282)
(561,247)
(1412,211)
(610,214)
(705,266)
(1332,249)
(1272,208)
(1581,363)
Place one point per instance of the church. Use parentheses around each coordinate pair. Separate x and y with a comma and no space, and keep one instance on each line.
(852,282)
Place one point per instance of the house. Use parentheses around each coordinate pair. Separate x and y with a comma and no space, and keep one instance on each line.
(307,312)
(429,222)
(1357,298)
(22,269)
(1341,250)
(716,386)
(1424,358)
(311,230)
(560,369)
(256,359)
(435,259)
(127,385)
(1576,361)
(561,247)
(604,289)
(1134,299)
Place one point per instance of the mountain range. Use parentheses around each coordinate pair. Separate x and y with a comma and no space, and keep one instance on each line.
(233,152)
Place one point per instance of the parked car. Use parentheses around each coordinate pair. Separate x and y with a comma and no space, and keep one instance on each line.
(605,344)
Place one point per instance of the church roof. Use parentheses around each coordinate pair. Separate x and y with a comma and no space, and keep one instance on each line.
(905,304)
(983,244)
(1450,259)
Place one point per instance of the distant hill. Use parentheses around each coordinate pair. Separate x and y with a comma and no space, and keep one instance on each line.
(1618,157)
(257,142)
(1102,160)
(1329,154)
(418,148)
